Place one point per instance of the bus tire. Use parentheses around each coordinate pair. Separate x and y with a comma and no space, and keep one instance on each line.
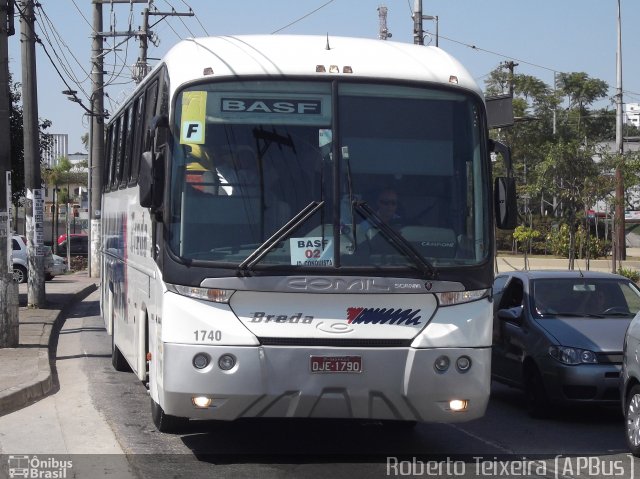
(118,361)
(165,422)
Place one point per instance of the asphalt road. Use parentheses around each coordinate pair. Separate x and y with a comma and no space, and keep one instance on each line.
(574,443)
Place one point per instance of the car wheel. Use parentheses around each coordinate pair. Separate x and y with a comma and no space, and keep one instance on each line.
(632,420)
(165,422)
(48,277)
(19,273)
(536,395)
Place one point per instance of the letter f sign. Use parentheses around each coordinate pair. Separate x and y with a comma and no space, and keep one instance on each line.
(192,132)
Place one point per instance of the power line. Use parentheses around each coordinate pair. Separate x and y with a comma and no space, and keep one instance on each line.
(303,17)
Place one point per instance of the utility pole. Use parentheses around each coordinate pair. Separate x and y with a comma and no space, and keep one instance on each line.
(9,330)
(418,32)
(383,30)
(620,202)
(96,158)
(142,67)
(511,65)
(34,204)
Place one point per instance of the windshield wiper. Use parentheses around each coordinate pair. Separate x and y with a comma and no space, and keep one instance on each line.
(396,240)
(291,225)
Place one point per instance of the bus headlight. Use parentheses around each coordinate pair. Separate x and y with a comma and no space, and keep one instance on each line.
(215,295)
(226,362)
(463,364)
(441,364)
(458,297)
(201,360)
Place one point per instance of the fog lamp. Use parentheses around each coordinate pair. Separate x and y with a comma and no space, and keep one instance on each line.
(201,401)
(458,404)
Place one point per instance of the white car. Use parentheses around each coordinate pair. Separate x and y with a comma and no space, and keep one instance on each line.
(19,256)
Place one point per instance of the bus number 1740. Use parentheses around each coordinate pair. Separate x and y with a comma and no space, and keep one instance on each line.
(203,335)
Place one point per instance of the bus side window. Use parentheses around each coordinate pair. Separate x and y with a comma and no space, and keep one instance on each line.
(138,140)
(119,164)
(151,98)
(131,133)
(107,165)
(113,156)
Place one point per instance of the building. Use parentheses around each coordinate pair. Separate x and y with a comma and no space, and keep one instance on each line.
(59,148)
(632,114)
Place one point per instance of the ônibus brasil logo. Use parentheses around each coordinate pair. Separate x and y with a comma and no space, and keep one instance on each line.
(406,317)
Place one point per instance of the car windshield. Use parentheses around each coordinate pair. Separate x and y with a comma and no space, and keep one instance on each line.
(249,157)
(584,297)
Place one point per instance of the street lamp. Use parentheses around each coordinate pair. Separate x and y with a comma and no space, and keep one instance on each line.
(431,17)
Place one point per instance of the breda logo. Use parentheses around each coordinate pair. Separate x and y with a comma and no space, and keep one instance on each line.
(262,317)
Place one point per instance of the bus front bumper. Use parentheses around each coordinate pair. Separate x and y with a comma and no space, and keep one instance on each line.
(276,381)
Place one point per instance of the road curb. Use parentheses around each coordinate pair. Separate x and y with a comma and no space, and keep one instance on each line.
(31,391)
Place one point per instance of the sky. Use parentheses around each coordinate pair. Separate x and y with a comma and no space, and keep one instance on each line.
(542,36)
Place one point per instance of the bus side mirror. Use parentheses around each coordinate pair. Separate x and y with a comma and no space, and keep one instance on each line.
(145,180)
(505,203)
(151,176)
(151,180)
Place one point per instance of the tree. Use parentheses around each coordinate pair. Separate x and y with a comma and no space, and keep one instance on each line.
(17,142)
(553,147)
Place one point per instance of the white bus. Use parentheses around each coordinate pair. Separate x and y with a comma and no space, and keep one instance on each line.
(250,268)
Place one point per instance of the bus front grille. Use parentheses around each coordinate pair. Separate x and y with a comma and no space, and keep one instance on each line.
(340,343)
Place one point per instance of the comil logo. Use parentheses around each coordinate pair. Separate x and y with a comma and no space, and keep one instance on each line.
(34,467)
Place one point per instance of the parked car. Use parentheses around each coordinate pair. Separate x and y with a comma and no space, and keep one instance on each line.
(63,237)
(58,267)
(559,335)
(19,259)
(630,385)
(79,245)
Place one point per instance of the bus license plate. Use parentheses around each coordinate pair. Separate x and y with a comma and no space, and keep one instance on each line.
(336,364)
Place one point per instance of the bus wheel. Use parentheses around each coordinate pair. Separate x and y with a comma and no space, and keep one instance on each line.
(117,359)
(165,422)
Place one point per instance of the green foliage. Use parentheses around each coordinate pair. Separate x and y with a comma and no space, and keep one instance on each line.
(632,274)
(553,153)
(557,240)
(17,141)
(525,235)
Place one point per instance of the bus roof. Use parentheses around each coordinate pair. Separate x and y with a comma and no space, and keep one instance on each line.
(275,55)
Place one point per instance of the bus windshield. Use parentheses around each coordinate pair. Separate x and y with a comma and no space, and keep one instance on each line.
(398,175)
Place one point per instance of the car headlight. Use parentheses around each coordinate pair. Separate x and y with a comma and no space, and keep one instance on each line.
(573,356)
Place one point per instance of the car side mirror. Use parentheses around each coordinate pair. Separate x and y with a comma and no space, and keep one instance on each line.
(513,315)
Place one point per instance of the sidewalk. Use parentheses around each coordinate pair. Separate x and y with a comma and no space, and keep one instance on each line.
(511,263)
(25,372)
